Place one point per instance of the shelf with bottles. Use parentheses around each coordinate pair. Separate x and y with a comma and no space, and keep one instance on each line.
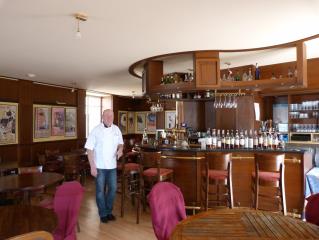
(251,76)
(304,137)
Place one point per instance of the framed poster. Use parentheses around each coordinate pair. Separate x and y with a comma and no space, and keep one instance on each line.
(58,121)
(42,121)
(140,122)
(70,122)
(122,119)
(170,119)
(8,123)
(130,122)
(151,122)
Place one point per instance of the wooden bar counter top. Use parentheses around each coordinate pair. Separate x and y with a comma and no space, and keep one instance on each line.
(188,164)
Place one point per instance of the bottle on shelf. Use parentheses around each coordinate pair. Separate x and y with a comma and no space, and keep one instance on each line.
(232,140)
(223,139)
(255,139)
(237,76)
(276,140)
(145,137)
(246,139)
(244,77)
(237,145)
(209,140)
(227,140)
(290,73)
(270,140)
(241,139)
(261,140)
(295,72)
(273,77)
(257,72)
(214,139)
(251,139)
(265,140)
(250,75)
(219,140)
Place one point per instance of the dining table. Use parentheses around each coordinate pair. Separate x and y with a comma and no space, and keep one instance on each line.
(243,223)
(20,219)
(28,183)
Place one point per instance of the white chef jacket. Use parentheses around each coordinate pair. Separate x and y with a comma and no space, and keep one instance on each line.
(104,142)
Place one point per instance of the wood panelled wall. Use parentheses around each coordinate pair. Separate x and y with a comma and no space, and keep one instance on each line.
(27,93)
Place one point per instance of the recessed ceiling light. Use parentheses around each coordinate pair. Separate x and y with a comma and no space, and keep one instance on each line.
(31,75)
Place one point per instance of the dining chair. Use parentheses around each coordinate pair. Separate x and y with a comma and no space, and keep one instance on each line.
(73,170)
(66,205)
(312,209)
(167,208)
(36,235)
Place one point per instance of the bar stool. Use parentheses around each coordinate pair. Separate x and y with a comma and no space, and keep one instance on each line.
(218,173)
(152,173)
(129,180)
(269,174)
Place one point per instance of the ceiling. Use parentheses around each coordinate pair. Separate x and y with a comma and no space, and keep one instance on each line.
(38,36)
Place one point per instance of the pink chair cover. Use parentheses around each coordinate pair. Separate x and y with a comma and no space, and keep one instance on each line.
(167,208)
(66,205)
(312,209)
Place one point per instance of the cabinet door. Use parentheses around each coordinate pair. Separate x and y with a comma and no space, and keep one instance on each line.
(207,72)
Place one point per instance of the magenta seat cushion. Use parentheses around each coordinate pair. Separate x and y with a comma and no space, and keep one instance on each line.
(268,176)
(152,172)
(312,209)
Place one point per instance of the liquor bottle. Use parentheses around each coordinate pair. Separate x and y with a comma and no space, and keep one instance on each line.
(244,77)
(223,139)
(246,139)
(237,76)
(295,72)
(241,139)
(257,73)
(261,140)
(232,140)
(251,140)
(145,137)
(270,140)
(227,140)
(250,76)
(209,140)
(214,139)
(219,140)
(255,139)
(237,140)
(276,141)
(265,140)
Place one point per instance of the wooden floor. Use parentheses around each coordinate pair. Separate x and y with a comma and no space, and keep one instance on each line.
(121,229)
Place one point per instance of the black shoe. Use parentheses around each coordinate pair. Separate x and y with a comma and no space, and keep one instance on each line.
(111,217)
(104,219)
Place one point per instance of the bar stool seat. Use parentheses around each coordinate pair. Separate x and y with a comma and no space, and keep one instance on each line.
(129,167)
(217,174)
(267,176)
(152,172)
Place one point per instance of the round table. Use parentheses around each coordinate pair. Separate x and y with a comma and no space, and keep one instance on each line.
(20,219)
(29,182)
(243,223)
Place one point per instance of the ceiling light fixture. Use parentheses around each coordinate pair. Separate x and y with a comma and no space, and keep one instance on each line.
(79,17)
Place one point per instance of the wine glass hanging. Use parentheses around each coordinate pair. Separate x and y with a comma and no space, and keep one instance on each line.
(226,100)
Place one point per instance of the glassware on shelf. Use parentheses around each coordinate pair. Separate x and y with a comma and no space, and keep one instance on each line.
(244,77)
(250,76)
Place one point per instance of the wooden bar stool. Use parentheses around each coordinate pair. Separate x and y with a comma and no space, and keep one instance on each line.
(152,172)
(269,174)
(217,173)
(129,180)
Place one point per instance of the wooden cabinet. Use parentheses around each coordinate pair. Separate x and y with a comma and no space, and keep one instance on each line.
(207,73)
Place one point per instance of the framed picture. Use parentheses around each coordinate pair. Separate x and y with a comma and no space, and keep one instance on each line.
(8,123)
(140,122)
(70,122)
(130,122)
(151,122)
(122,121)
(42,121)
(170,119)
(58,121)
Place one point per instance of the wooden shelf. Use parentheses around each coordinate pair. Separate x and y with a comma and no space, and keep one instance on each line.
(262,83)
(173,87)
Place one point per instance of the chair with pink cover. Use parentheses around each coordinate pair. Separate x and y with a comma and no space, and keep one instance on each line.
(67,202)
(312,209)
(167,208)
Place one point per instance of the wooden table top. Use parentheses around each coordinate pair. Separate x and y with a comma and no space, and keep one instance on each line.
(29,182)
(243,223)
(20,219)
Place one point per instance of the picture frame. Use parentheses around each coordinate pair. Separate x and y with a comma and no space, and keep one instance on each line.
(170,119)
(9,114)
(42,121)
(130,122)
(58,121)
(70,122)
(122,121)
(140,122)
(150,122)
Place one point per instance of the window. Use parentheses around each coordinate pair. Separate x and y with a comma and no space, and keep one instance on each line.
(94,105)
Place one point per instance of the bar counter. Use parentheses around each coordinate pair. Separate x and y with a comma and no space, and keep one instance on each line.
(188,164)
